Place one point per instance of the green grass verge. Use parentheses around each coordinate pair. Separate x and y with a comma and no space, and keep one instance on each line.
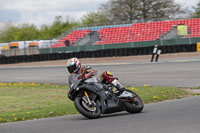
(25,101)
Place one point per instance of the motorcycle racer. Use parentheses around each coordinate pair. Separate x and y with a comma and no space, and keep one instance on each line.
(93,97)
(74,67)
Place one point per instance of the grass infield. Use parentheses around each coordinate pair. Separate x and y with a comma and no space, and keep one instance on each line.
(26,101)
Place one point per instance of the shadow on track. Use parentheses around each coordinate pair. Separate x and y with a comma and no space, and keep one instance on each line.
(118,114)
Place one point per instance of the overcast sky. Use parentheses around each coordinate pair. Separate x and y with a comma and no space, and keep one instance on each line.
(41,12)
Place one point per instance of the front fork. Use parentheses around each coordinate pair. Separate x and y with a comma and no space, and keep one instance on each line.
(88,99)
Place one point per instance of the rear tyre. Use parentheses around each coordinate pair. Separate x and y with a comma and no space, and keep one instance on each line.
(87,111)
(136,105)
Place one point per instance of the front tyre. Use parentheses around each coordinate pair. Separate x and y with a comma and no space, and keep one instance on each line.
(135,105)
(91,112)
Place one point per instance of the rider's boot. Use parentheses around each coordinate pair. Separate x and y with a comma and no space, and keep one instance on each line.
(120,92)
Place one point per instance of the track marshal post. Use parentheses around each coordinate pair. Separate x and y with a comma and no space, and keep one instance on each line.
(154,52)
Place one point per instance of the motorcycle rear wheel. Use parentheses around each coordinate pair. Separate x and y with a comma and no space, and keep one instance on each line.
(135,106)
(81,106)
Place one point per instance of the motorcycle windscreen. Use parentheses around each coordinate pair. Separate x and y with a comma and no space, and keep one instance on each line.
(73,80)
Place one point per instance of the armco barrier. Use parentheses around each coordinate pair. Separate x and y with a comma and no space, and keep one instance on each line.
(99,53)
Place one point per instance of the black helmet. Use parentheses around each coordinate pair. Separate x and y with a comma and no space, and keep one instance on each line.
(73,65)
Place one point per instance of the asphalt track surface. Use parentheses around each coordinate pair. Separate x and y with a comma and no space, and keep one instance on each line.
(177,116)
(176,72)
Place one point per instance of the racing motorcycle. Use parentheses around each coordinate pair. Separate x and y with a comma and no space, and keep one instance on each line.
(93,98)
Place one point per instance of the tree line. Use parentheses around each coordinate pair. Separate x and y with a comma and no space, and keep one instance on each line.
(11,32)
(111,11)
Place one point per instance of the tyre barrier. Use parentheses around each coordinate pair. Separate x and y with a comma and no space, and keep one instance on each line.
(98,53)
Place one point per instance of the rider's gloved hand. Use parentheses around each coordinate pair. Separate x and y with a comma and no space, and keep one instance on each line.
(88,69)
(91,73)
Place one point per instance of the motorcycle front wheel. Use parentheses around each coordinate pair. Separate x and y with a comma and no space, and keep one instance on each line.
(135,105)
(91,112)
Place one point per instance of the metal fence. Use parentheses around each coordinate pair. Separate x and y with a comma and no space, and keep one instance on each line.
(25,47)
(17,52)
